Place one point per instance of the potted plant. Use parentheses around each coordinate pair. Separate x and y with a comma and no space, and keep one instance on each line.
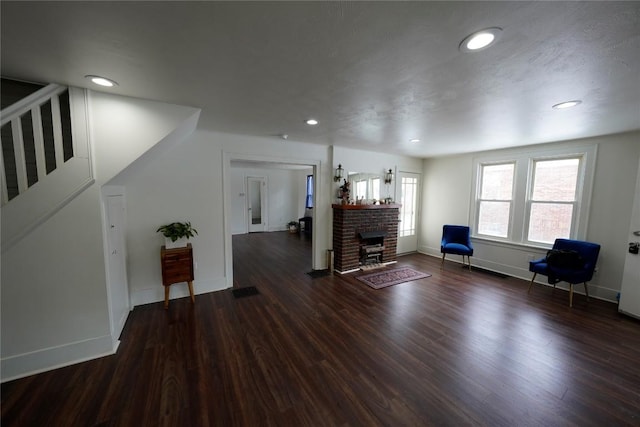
(293,226)
(176,234)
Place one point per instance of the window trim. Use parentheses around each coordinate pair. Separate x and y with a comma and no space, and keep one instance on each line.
(524,160)
(576,205)
(479,199)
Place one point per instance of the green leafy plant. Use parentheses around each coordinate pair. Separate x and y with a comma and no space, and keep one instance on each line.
(177,230)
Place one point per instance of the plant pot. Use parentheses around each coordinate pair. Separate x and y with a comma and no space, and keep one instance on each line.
(180,243)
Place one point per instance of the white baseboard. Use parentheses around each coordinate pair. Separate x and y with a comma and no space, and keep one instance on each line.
(178,290)
(26,364)
(522,272)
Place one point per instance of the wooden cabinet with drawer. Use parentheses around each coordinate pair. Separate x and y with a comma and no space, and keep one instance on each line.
(177,267)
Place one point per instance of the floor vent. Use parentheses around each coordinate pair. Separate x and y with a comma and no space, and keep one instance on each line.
(245,292)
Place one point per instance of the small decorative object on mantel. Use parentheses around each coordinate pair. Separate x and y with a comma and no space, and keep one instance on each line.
(344,192)
(176,234)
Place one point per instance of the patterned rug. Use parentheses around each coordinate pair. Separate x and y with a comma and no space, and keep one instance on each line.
(382,279)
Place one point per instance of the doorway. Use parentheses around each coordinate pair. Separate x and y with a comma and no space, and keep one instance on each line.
(118,287)
(236,194)
(256,195)
(409,191)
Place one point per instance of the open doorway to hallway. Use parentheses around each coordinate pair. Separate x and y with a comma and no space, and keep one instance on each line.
(264,198)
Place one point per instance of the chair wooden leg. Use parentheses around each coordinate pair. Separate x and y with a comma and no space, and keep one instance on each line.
(442,263)
(469,261)
(570,294)
(531,283)
(166,297)
(193,300)
(586,290)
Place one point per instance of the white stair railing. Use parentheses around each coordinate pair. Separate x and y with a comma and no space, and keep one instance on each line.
(20,174)
(45,157)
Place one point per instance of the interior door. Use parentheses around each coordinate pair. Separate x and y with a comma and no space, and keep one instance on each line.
(409,193)
(256,190)
(118,286)
(630,292)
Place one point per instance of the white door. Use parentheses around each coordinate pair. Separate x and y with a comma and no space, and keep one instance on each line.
(630,292)
(118,287)
(409,191)
(256,190)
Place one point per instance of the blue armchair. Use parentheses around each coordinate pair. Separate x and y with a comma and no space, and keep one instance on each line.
(456,239)
(582,273)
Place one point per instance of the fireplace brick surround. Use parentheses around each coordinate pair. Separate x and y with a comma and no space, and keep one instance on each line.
(350,220)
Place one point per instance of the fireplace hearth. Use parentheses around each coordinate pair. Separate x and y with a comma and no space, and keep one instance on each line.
(364,235)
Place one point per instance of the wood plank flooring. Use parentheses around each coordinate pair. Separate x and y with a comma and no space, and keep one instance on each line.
(457,348)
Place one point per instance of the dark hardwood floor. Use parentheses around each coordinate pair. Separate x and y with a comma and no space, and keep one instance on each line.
(457,348)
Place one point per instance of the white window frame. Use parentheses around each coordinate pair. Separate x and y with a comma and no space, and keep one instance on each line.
(479,199)
(523,179)
(576,205)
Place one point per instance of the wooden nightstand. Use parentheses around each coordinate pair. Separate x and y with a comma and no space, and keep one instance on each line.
(177,266)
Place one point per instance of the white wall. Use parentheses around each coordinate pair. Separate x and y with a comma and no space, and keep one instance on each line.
(372,162)
(54,297)
(54,291)
(447,198)
(282,198)
(160,192)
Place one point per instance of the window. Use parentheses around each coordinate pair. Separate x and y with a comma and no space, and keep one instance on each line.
(552,201)
(360,189)
(533,198)
(309,200)
(496,199)
(375,188)
(408,200)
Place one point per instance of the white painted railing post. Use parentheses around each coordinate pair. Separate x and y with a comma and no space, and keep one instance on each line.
(38,142)
(13,114)
(57,130)
(3,178)
(18,153)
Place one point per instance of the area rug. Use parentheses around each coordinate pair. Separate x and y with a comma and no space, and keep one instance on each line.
(382,279)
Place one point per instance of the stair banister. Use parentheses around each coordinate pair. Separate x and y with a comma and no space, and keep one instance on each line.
(13,114)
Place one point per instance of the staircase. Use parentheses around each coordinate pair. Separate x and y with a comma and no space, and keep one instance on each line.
(45,157)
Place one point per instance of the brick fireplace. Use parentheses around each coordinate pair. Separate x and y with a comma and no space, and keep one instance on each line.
(358,226)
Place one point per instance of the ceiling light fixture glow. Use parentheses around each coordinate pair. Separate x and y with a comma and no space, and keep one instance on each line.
(480,39)
(101,81)
(567,104)
(312,122)
(414,140)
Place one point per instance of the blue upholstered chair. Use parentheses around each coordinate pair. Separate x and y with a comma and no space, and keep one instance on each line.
(589,256)
(456,239)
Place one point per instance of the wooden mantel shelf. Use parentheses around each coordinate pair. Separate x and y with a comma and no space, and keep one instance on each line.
(362,207)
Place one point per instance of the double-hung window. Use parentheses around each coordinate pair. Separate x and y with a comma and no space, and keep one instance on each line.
(495,201)
(533,197)
(552,201)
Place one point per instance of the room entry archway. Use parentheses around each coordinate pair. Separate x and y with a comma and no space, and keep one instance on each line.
(272,162)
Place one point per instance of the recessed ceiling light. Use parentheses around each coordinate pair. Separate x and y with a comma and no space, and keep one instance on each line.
(567,104)
(414,140)
(480,39)
(102,81)
(312,122)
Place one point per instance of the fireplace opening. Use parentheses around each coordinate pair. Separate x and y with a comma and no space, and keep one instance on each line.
(371,246)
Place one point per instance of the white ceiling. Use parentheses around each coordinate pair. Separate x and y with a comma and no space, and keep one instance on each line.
(375,74)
